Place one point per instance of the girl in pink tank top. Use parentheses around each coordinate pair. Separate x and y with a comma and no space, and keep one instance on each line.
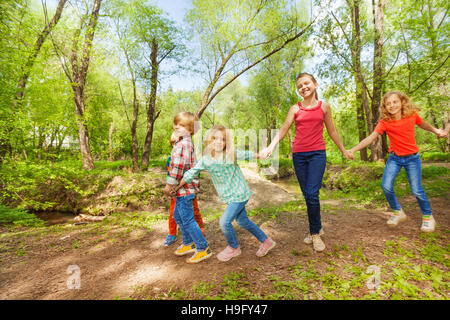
(309,129)
(309,156)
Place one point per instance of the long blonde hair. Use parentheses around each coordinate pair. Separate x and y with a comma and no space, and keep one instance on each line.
(230,155)
(408,108)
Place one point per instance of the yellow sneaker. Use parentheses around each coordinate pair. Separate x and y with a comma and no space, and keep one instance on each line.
(200,256)
(184,249)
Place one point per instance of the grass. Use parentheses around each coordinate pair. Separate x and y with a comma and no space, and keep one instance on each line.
(344,275)
(408,270)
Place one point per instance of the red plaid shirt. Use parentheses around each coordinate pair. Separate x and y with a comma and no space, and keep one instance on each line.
(183,159)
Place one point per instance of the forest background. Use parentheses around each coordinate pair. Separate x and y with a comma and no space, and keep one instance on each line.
(94,81)
(88,92)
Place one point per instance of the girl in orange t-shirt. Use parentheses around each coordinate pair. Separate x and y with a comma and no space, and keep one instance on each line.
(398,119)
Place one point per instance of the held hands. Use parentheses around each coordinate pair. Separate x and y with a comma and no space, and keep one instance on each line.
(170,191)
(264,153)
(348,154)
(441,133)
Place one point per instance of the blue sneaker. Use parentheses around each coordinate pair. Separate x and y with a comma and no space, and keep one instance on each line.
(169,240)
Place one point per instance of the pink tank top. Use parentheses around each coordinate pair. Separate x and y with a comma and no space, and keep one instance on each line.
(309,129)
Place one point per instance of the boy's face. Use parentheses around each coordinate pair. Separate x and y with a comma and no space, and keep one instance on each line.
(181,131)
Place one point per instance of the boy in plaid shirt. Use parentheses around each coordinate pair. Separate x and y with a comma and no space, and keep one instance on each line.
(171,237)
(183,159)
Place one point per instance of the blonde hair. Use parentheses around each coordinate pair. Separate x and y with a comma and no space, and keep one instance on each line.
(408,108)
(187,120)
(230,155)
(303,74)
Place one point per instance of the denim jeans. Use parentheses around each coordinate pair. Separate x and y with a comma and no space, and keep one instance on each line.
(413,168)
(236,210)
(183,214)
(309,168)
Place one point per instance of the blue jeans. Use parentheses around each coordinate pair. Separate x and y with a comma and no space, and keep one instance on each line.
(183,213)
(413,167)
(309,168)
(236,210)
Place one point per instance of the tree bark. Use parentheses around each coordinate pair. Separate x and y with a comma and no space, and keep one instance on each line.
(378,19)
(35,51)
(110,141)
(151,118)
(361,96)
(78,80)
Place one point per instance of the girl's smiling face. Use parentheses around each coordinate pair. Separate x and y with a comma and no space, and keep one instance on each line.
(218,143)
(394,106)
(306,86)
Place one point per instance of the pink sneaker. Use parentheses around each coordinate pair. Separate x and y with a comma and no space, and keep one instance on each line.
(265,247)
(228,253)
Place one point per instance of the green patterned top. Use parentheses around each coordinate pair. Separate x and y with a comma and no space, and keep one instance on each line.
(227,177)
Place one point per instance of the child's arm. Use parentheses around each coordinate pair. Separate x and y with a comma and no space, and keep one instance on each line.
(365,143)
(175,173)
(192,173)
(441,133)
(265,153)
(332,132)
(246,155)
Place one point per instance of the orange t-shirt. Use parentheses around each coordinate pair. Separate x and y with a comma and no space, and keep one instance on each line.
(401,133)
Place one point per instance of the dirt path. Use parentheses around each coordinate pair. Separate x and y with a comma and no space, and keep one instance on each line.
(117,263)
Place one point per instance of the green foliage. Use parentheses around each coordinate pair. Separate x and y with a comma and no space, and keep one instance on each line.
(19,217)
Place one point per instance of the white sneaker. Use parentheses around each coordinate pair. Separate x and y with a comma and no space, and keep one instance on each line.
(396,218)
(428,225)
(308,239)
(318,244)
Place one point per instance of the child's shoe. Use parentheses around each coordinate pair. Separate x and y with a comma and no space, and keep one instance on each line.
(228,253)
(396,218)
(200,256)
(169,240)
(428,224)
(308,239)
(265,247)
(183,249)
(317,242)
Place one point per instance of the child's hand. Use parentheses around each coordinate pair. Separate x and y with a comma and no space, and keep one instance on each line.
(168,190)
(348,154)
(265,153)
(441,133)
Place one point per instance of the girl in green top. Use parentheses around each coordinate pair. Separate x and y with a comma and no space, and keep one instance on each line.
(220,159)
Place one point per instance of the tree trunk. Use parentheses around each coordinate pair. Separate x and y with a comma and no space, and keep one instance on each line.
(79,73)
(151,107)
(35,51)
(378,19)
(83,133)
(361,96)
(5,145)
(110,142)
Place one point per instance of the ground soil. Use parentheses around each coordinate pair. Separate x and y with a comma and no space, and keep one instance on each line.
(139,266)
